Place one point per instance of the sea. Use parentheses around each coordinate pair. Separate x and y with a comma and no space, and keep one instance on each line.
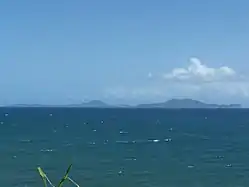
(125,147)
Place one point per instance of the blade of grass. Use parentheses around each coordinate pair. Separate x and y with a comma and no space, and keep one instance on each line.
(72,181)
(65,176)
(44,178)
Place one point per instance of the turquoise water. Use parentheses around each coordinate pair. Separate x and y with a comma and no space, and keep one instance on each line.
(125,148)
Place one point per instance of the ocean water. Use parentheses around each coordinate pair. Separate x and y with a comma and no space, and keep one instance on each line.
(125,147)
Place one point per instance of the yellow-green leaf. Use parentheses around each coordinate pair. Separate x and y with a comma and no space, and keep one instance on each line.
(43,176)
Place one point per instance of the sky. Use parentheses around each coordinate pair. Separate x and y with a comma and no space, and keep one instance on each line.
(132,51)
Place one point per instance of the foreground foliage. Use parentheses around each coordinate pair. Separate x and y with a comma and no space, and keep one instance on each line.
(65,178)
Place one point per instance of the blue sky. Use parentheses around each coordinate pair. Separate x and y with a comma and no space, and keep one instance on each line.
(133,51)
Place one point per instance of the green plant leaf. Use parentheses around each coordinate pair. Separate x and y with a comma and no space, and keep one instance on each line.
(65,176)
(43,176)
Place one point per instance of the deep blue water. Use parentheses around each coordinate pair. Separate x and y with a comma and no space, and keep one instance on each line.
(125,148)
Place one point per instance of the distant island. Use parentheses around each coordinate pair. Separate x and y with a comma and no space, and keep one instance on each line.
(186,103)
(90,104)
(170,104)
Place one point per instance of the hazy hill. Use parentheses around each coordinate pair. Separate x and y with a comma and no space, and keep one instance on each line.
(173,103)
(186,103)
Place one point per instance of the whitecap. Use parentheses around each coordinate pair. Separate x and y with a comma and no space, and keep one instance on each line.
(122,142)
(46,150)
(92,143)
(153,140)
(191,166)
(130,159)
(123,132)
(120,172)
(168,140)
(220,157)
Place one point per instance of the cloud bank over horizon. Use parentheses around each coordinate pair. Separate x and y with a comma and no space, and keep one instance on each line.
(197,71)
(197,81)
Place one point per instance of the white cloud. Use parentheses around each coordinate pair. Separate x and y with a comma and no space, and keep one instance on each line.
(197,71)
(197,81)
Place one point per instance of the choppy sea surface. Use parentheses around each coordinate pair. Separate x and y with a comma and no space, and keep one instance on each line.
(125,147)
